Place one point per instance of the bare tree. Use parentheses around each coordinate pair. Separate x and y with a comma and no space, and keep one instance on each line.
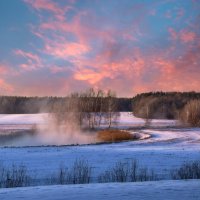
(147,115)
(111,108)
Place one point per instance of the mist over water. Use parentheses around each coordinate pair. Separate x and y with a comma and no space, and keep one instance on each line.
(49,132)
(46,130)
(53,133)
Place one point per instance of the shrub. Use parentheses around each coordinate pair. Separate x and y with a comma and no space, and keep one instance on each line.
(79,173)
(119,173)
(146,175)
(16,176)
(187,171)
(126,172)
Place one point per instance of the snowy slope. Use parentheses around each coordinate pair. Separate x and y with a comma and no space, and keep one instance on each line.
(160,190)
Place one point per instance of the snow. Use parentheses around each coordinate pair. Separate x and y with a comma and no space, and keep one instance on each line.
(21,119)
(165,190)
(128,120)
(125,119)
(166,149)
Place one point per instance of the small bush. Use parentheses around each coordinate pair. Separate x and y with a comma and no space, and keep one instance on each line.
(126,172)
(16,176)
(146,175)
(79,173)
(187,171)
(190,115)
(114,136)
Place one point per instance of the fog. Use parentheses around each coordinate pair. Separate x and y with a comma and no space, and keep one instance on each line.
(46,131)
(66,133)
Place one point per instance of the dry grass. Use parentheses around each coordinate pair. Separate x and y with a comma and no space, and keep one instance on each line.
(114,136)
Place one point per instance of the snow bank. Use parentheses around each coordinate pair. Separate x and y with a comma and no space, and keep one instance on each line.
(165,190)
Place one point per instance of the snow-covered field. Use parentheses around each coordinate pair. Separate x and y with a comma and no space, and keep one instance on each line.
(167,149)
(159,190)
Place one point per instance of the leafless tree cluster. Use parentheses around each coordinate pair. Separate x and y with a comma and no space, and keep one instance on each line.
(190,114)
(88,109)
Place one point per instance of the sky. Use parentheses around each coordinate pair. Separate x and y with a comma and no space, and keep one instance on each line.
(55,47)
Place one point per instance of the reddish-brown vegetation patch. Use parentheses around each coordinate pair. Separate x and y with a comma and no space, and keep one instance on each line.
(114,136)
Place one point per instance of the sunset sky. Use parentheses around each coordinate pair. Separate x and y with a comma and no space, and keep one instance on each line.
(54,47)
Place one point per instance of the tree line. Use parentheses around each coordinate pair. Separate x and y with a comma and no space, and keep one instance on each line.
(87,109)
(184,106)
(157,105)
(28,105)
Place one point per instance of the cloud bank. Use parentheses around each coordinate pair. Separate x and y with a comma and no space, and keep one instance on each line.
(130,47)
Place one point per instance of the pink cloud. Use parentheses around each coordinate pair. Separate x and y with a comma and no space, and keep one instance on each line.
(7,70)
(57,69)
(5,87)
(128,76)
(50,6)
(187,36)
(66,49)
(184,36)
(166,67)
(33,61)
(173,33)
(28,55)
(90,76)
(103,68)
(4,69)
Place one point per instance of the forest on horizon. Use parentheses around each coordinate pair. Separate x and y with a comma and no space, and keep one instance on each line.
(161,104)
